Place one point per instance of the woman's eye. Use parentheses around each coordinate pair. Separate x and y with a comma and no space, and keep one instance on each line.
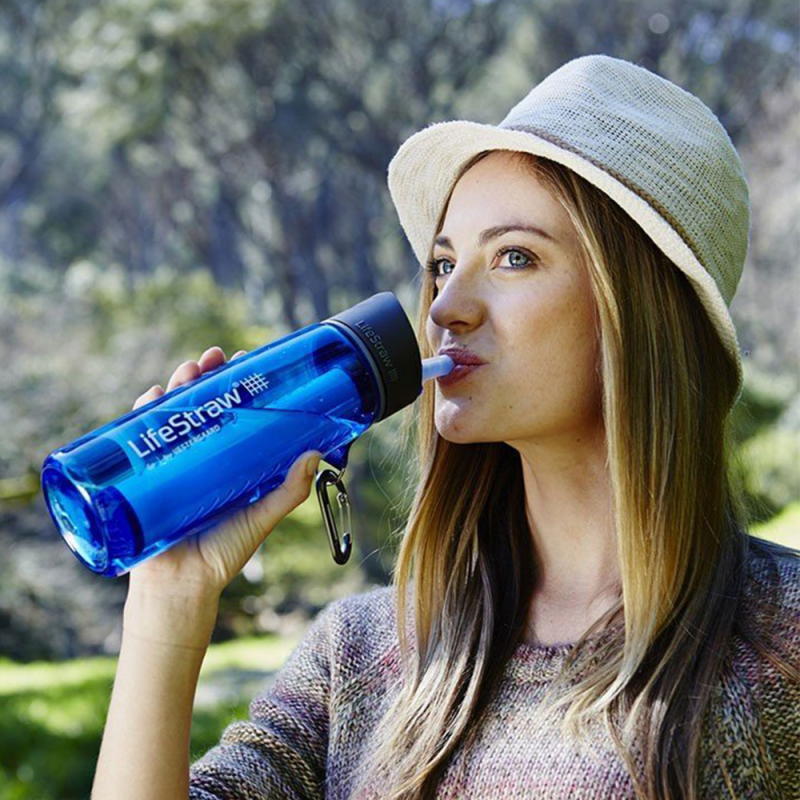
(433,266)
(514,252)
(514,262)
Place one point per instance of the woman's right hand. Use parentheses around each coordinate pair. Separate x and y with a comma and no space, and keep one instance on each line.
(202,565)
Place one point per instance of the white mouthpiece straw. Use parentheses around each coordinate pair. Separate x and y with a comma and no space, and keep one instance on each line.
(436,367)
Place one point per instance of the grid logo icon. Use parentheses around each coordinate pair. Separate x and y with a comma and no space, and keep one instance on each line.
(255,383)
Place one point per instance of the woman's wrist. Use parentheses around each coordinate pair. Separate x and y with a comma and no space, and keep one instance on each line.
(177,621)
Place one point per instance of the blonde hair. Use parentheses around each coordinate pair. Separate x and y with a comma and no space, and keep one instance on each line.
(466,553)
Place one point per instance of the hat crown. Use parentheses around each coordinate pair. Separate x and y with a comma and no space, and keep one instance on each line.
(686,167)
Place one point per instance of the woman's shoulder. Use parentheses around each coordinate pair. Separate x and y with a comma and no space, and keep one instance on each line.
(771,590)
(765,648)
(366,613)
(375,600)
(361,630)
(755,709)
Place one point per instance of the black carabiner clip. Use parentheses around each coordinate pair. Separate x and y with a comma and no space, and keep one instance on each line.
(324,479)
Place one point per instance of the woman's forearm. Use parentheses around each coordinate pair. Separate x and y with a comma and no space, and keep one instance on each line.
(145,747)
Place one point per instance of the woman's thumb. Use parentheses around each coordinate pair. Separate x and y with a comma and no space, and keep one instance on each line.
(303,467)
(309,466)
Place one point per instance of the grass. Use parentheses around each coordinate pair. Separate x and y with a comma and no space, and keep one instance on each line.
(52,715)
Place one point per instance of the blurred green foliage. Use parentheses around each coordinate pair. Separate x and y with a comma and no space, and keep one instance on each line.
(198,310)
(767,438)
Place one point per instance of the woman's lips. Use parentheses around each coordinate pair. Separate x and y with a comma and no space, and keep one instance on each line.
(458,372)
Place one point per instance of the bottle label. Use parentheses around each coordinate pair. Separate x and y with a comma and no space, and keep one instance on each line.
(185,428)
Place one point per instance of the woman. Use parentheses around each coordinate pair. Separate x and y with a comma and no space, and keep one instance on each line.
(577,608)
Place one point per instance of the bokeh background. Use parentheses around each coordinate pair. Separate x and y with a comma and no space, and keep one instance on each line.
(176,174)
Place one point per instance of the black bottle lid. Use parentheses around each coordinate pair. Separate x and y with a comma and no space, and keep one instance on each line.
(384,330)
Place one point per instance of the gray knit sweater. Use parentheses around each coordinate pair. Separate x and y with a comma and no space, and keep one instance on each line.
(309,727)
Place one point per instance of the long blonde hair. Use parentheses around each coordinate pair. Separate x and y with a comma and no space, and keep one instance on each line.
(466,552)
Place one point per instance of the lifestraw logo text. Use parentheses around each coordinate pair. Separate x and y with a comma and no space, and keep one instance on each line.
(377,341)
(182,423)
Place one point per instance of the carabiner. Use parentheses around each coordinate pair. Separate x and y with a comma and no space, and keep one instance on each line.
(324,479)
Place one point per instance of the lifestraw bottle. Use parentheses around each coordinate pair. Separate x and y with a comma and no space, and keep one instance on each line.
(174,467)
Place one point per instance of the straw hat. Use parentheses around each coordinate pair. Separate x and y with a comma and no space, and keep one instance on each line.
(654,148)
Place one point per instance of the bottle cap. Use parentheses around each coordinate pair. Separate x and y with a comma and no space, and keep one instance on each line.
(384,330)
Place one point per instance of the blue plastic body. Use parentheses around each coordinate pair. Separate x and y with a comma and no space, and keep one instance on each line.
(178,465)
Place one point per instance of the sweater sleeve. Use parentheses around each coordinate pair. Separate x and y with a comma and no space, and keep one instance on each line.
(780,702)
(751,743)
(280,751)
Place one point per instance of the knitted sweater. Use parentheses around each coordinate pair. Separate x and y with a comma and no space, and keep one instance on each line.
(307,730)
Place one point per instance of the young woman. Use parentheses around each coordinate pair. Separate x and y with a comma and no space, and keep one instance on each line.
(577,609)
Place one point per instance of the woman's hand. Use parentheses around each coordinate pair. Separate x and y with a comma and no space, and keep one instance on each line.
(202,565)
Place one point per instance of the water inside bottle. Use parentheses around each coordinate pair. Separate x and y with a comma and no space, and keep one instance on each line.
(155,500)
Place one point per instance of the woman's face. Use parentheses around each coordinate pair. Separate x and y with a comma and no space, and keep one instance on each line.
(528,312)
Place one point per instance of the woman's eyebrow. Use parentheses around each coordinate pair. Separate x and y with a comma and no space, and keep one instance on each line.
(499,230)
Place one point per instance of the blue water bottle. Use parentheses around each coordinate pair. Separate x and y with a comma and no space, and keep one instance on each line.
(176,466)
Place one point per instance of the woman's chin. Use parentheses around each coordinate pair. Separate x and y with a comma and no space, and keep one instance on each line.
(455,430)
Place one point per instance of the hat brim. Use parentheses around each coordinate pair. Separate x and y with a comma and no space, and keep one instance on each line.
(422,171)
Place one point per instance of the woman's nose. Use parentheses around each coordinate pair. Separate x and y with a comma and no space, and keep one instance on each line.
(459,301)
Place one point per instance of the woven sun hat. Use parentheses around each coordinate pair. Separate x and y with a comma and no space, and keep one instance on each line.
(651,146)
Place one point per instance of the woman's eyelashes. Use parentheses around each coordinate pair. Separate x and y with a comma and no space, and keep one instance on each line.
(530,259)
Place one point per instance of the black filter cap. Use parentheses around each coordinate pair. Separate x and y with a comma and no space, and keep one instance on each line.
(386,334)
